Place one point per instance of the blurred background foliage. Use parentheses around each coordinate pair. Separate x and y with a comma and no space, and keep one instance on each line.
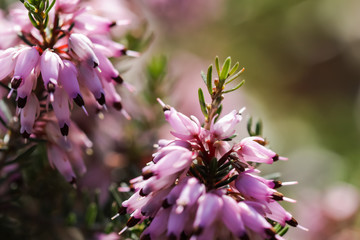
(302,61)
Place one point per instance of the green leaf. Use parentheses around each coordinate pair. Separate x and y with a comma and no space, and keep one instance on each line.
(236,87)
(42,6)
(226,182)
(50,7)
(217,65)
(258,128)
(25,155)
(209,79)
(234,68)
(202,102)
(233,77)
(283,231)
(213,165)
(225,69)
(91,213)
(33,21)
(203,76)
(249,125)
(218,112)
(30,7)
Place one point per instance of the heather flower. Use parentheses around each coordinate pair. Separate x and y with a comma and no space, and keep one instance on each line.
(204,184)
(57,57)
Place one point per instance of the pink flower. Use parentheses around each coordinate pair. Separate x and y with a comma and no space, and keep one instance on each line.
(196,187)
(250,150)
(82,49)
(225,126)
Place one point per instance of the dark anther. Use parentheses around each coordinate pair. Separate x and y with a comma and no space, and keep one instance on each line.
(132,222)
(79,100)
(183,236)
(292,222)
(113,24)
(117,105)
(277,184)
(172,237)
(270,231)
(165,204)
(122,210)
(147,174)
(21,102)
(166,108)
(95,65)
(141,193)
(244,237)
(118,79)
(51,87)
(277,196)
(65,130)
(123,51)
(263,143)
(101,99)
(276,157)
(25,134)
(198,231)
(145,237)
(73,181)
(15,83)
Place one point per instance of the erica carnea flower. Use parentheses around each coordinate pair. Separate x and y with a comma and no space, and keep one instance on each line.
(204,184)
(59,55)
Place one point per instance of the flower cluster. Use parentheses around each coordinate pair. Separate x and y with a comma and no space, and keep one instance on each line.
(59,54)
(201,185)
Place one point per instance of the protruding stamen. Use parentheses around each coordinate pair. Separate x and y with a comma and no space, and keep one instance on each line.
(10,93)
(289,200)
(125,114)
(164,106)
(289,183)
(123,230)
(115,216)
(85,111)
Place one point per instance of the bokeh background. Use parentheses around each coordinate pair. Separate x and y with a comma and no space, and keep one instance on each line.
(302,61)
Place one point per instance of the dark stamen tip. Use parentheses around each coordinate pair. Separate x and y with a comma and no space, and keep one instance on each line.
(95,65)
(79,100)
(292,222)
(172,237)
(145,237)
(277,196)
(132,222)
(148,174)
(122,210)
(73,181)
(101,99)
(118,79)
(166,108)
(113,24)
(123,51)
(21,102)
(117,105)
(15,83)
(165,204)
(141,193)
(277,184)
(25,134)
(276,157)
(244,237)
(65,130)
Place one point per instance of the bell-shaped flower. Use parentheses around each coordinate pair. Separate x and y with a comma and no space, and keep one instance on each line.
(26,61)
(59,160)
(28,115)
(230,215)
(108,71)
(68,80)
(207,212)
(7,62)
(82,48)
(25,89)
(185,128)
(50,63)
(250,150)
(251,187)
(225,126)
(91,80)
(61,109)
